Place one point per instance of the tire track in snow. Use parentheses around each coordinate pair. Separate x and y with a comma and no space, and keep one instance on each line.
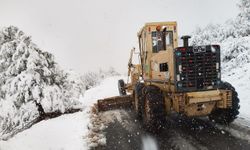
(208,135)
(180,134)
(240,128)
(125,132)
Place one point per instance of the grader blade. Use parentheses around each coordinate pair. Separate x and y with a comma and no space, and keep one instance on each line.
(117,102)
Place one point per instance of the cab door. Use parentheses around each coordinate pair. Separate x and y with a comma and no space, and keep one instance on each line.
(162,46)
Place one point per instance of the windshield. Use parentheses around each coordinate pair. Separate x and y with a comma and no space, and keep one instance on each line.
(161,40)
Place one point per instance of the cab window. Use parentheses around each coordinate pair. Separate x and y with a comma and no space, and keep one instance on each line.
(161,40)
(169,38)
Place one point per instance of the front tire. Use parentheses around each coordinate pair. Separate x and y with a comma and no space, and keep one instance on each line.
(121,88)
(138,100)
(227,116)
(153,110)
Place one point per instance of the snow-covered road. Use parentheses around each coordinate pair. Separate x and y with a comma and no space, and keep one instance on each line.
(69,132)
(180,134)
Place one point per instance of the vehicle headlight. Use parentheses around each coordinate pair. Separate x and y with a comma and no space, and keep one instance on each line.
(180,68)
(178,77)
(217,66)
(213,49)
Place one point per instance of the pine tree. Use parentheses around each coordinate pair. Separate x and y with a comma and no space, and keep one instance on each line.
(244,7)
(243,19)
(31,82)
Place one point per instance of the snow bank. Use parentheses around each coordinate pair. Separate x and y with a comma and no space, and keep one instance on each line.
(99,122)
(62,133)
(107,88)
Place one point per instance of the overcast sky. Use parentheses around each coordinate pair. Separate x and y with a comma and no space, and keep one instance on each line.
(85,35)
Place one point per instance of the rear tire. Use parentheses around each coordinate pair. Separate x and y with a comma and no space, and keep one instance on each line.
(121,88)
(226,116)
(153,110)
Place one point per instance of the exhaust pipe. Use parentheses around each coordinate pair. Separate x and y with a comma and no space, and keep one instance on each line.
(185,39)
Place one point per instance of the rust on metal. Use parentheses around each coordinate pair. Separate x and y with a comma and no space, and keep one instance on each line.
(117,102)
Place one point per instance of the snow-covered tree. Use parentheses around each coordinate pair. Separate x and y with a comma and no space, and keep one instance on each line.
(92,79)
(233,28)
(31,82)
(242,22)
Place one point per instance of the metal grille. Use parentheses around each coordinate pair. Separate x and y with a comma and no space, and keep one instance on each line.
(197,68)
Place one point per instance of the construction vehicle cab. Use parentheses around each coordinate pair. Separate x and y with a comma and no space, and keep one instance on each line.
(157,42)
(186,79)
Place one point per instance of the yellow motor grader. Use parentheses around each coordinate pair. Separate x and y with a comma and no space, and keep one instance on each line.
(168,78)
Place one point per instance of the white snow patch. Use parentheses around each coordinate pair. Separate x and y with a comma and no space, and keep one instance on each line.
(240,79)
(107,88)
(62,133)
(99,122)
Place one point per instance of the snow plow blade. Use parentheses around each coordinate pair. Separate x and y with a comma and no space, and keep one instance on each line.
(117,102)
